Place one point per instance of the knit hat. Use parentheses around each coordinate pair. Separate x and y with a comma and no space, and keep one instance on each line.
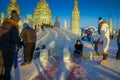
(25,25)
(100,18)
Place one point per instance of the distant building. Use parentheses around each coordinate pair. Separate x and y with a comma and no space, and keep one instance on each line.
(57,22)
(75,20)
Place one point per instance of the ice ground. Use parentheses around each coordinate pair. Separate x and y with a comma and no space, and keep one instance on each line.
(91,69)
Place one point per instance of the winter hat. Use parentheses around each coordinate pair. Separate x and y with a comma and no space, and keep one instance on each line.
(25,25)
(100,18)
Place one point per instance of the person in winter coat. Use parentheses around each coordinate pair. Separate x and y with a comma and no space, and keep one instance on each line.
(1,65)
(78,48)
(103,41)
(90,36)
(9,40)
(118,42)
(28,35)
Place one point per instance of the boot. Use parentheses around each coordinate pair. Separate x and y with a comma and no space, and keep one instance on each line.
(24,64)
(102,62)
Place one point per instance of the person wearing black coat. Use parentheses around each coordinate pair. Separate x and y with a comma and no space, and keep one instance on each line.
(78,48)
(118,42)
(9,41)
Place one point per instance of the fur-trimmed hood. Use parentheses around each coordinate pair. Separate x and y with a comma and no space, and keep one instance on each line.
(8,23)
(102,22)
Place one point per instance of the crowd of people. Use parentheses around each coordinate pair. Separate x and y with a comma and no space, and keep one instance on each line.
(11,42)
(102,44)
(43,26)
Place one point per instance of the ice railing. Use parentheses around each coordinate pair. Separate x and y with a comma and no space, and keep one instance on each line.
(39,32)
(66,52)
(44,54)
(48,51)
(69,33)
(43,39)
(61,75)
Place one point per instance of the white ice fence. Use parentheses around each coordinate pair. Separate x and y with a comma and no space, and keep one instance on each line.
(44,54)
(88,50)
(49,51)
(39,31)
(71,35)
(66,52)
(42,40)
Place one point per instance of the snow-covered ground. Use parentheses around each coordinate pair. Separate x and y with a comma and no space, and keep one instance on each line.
(89,69)
(110,71)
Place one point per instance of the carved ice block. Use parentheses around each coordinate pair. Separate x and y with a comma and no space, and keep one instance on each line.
(44,55)
(66,55)
(90,55)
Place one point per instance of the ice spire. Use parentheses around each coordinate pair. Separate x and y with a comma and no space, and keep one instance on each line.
(65,24)
(13,1)
(42,0)
(75,20)
(75,5)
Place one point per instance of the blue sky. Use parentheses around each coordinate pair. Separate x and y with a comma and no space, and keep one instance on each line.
(90,10)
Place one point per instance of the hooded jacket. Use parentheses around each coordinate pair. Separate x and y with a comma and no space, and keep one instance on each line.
(28,35)
(9,35)
(104,36)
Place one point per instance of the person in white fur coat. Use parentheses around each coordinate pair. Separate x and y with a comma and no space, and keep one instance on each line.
(103,41)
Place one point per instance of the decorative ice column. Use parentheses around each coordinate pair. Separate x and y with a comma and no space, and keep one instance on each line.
(44,56)
(2,17)
(65,25)
(75,19)
(57,22)
(66,55)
